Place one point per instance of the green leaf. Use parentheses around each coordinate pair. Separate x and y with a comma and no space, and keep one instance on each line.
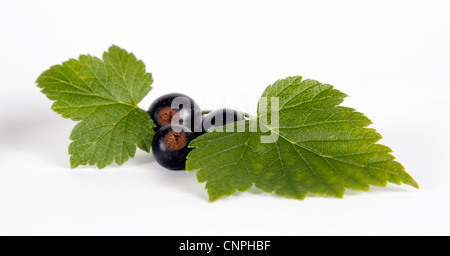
(318,148)
(103,95)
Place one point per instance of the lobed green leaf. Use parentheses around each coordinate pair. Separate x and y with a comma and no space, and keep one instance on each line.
(102,94)
(319,148)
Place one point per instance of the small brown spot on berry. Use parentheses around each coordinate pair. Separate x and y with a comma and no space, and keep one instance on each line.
(175,140)
(166,115)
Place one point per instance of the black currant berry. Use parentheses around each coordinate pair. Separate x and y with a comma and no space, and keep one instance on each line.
(221,117)
(170,146)
(176,108)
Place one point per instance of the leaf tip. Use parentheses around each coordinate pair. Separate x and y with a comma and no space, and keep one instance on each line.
(415,185)
(73,165)
(114,47)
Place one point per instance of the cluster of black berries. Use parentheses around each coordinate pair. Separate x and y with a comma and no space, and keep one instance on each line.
(179,120)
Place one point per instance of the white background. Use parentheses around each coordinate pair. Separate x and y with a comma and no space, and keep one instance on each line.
(392,57)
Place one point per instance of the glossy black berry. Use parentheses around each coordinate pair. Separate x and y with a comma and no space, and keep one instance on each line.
(221,117)
(170,146)
(176,108)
